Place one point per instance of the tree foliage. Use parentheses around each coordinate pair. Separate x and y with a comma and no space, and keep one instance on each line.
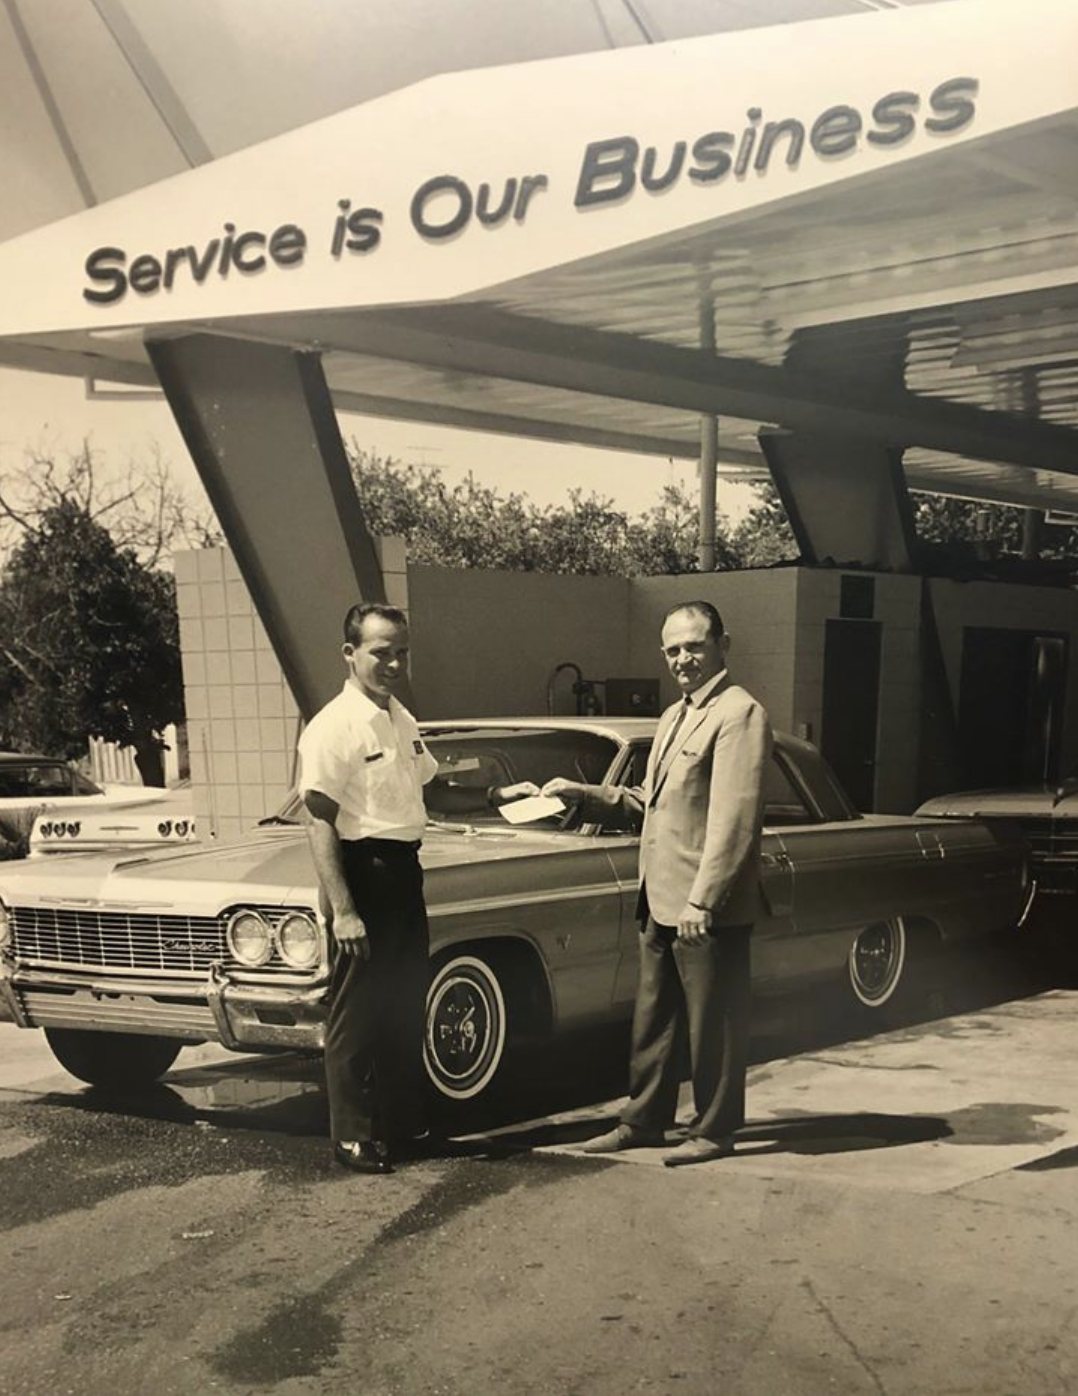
(962,526)
(139,503)
(473,525)
(764,536)
(89,636)
(89,643)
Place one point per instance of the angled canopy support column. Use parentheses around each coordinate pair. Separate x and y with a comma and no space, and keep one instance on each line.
(845,499)
(259,423)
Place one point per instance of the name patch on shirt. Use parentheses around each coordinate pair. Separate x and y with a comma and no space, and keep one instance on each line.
(374,756)
(418,745)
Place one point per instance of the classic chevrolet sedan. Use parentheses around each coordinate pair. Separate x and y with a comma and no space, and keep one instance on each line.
(123,961)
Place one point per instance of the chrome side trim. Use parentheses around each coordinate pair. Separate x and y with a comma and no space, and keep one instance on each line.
(1030,898)
(566,894)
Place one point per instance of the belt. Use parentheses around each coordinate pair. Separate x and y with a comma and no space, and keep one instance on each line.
(389,846)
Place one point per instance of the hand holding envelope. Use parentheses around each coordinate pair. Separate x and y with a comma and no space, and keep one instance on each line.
(532,807)
(556,796)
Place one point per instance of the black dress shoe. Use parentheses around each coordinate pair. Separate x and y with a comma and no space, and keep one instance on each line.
(362,1156)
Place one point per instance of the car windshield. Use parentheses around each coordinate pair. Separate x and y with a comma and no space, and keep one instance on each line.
(472,759)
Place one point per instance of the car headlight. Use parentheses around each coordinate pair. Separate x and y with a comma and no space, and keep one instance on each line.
(298,940)
(5,926)
(249,937)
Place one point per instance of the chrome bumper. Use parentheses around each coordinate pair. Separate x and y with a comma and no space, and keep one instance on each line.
(238,1016)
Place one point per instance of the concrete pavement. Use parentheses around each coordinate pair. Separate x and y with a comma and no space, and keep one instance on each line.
(925,1109)
(900,1220)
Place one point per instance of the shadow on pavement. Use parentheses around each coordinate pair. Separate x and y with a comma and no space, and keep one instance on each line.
(806,1134)
(839,1134)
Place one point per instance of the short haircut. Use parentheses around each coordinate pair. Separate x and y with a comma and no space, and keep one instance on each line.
(353,621)
(700,608)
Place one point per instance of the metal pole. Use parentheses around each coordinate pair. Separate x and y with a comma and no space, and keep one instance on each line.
(1032,519)
(709,469)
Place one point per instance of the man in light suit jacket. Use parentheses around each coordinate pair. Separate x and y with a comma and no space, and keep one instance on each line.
(701,808)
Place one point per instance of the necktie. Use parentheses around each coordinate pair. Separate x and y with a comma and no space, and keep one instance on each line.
(668,741)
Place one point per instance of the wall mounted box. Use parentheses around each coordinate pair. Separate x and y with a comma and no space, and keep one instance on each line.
(632,697)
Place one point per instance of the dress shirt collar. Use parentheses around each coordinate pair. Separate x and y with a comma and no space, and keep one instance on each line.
(367,706)
(704,692)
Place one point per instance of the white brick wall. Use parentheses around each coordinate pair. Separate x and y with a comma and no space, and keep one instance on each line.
(243,723)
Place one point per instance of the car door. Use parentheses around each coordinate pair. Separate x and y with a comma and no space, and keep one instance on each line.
(622,849)
(776,951)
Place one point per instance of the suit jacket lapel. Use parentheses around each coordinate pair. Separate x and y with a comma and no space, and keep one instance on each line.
(688,727)
(665,723)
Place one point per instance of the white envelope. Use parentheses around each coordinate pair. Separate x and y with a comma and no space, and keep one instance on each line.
(531,807)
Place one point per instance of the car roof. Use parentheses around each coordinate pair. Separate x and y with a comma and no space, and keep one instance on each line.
(620,728)
(625,729)
(21,758)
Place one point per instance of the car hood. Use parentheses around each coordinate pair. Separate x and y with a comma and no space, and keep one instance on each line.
(271,866)
(1022,803)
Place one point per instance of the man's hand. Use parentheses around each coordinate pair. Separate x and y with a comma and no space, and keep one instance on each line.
(693,924)
(351,935)
(571,791)
(506,794)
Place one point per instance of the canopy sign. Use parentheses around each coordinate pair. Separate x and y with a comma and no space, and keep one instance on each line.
(472,180)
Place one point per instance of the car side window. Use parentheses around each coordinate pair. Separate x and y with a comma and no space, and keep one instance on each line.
(28,782)
(783,803)
(632,773)
(49,780)
(638,765)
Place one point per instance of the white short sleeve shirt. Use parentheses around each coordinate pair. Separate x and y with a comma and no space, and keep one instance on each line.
(371,762)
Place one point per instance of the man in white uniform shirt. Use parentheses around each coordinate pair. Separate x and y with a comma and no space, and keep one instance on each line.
(363,769)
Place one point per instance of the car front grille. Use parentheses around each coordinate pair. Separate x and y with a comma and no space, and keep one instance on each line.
(1052,838)
(118,940)
(1054,847)
(139,941)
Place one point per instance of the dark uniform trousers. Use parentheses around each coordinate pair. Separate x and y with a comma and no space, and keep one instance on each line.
(693,1004)
(374,1031)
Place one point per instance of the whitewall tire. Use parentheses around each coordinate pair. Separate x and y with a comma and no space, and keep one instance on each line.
(464,1043)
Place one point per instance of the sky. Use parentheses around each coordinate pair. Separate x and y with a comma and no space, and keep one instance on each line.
(39,410)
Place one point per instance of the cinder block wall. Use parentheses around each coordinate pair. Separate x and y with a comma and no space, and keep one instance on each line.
(242,721)
(485,644)
(759,611)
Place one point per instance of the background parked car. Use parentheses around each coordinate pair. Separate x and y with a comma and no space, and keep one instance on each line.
(1047,816)
(532,926)
(32,786)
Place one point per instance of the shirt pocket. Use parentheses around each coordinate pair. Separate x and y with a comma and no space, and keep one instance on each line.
(381,772)
(691,772)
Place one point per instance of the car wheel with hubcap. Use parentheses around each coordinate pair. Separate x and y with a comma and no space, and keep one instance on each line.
(117,1060)
(466,1027)
(877,960)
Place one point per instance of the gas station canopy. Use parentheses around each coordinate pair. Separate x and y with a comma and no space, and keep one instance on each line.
(862,224)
